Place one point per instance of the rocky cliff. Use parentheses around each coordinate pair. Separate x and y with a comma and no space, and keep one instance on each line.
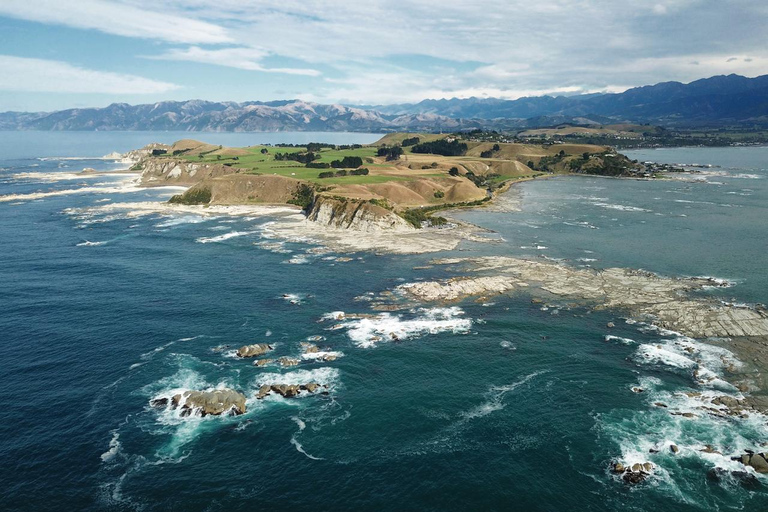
(356,215)
(157,172)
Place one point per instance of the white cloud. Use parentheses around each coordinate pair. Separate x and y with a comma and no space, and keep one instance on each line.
(382,51)
(241,58)
(117,18)
(40,75)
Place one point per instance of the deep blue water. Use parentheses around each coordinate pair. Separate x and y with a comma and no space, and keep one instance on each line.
(497,406)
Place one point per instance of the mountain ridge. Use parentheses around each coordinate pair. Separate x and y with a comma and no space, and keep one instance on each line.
(715,101)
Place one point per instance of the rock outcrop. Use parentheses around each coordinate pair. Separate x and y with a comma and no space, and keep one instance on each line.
(287,390)
(757,461)
(203,403)
(633,474)
(256,350)
(355,215)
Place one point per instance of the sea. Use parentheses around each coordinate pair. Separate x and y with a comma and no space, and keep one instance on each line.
(502,404)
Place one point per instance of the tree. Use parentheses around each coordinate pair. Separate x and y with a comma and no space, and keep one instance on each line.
(392,153)
(348,162)
(454,171)
(264,151)
(441,147)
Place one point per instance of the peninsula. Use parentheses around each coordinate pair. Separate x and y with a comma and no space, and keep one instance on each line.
(397,183)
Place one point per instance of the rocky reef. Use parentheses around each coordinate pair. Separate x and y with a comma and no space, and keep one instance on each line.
(645,295)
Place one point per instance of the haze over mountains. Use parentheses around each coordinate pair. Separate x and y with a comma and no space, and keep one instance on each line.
(718,101)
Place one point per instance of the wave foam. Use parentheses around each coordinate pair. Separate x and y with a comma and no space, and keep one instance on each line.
(225,236)
(367,332)
(620,207)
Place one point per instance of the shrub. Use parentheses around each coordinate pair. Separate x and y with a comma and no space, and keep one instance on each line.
(454,171)
(439,194)
(318,165)
(410,141)
(303,196)
(359,172)
(192,196)
(326,174)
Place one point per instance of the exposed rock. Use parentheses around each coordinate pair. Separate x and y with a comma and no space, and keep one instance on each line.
(262,362)
(673,448)
(759,463)
(288,361)
(637,389)
(263,391)
(258,349)
(286,390)
(159,402)
(659,404)
(633,474)
(309,348)
(710,449)
(610,325)
(214,402)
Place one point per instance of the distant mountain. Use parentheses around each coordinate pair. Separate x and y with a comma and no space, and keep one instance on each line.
(717,101)
(198,115)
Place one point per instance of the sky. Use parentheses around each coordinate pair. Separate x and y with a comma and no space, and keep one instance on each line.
(57,54)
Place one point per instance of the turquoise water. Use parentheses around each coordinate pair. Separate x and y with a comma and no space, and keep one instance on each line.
(495,406)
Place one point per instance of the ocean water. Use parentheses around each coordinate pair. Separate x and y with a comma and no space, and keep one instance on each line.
(503,405)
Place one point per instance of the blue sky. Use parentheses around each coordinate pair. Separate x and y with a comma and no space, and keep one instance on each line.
(75,53)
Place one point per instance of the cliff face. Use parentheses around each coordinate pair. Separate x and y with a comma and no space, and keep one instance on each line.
(157,172)
(355,215)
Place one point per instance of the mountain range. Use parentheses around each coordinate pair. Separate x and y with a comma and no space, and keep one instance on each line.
(718,101)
